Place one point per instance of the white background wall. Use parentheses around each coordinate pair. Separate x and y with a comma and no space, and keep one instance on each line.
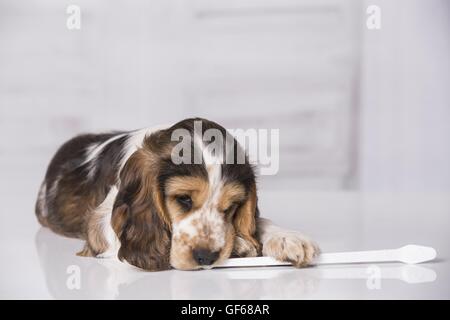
(405,98)
(356,109)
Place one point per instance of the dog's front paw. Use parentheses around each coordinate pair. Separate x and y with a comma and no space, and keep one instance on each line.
(290,247)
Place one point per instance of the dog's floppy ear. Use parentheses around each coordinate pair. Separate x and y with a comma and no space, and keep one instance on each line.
(139,218)
(245,224)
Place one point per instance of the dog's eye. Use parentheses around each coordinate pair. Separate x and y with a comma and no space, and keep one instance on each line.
(185,202)
(231,209)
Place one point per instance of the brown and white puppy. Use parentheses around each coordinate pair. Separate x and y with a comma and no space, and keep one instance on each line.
(125,196)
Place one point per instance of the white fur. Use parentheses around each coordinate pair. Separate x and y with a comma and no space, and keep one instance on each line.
(105,209)
(52,189)
(214,168)
(42,203)
(94,150)
(134,142)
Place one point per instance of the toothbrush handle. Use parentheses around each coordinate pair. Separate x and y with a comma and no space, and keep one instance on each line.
(358,257)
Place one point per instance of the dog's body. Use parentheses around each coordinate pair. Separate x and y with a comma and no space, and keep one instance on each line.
(123,194)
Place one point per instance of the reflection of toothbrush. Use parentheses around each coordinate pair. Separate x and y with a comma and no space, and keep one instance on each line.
(410,254)
(407,273)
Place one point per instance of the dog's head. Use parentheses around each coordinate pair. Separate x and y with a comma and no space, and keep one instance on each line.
(184,199)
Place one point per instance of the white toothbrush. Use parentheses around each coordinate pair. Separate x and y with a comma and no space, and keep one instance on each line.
(410,254)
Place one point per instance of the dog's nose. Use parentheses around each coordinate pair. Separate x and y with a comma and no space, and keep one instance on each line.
(205,257)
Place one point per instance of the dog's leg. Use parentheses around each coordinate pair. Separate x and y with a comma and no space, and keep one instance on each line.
(243,248)
(285,245)
(86,251)
(101,240)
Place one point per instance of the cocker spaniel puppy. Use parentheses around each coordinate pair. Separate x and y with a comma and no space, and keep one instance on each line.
(140,197)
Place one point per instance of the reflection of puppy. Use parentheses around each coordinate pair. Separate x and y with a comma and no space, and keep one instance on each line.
(123,193)
(110,279)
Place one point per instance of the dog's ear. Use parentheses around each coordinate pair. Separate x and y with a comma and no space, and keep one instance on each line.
(139,218)
(245,224)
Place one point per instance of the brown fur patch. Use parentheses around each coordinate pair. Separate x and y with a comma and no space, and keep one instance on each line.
(229,244)
(231,193)
(245,220)
(244,248)
(96,241)
(71,196)
(185,185)
(139,217)
(74,209)
(195,187)
(86,251)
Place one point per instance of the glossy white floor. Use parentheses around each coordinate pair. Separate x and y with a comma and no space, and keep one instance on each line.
(39,264)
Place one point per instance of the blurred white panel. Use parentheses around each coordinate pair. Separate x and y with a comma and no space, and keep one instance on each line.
(289,65)
(405,143)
